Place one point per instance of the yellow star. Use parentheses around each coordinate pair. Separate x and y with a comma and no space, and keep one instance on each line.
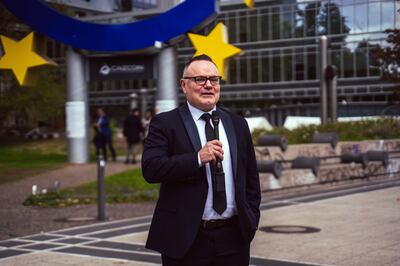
(216,46)
(249,3)
(19,56)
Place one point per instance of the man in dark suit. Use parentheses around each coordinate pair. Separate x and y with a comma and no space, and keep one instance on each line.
(132,130)
(103,125)
(196,222)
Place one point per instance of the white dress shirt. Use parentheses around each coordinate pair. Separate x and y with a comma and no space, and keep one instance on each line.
(209,213)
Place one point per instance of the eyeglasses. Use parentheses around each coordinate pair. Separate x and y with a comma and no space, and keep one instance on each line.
(202,80)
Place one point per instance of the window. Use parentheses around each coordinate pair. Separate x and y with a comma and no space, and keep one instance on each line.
(348,64)
(287,65)
(265,24)
(288,22)
(253,69)
(311,64)
(265,67)
(388,12)
(243,70)
(276,66)
(348,14)
(374,16)
(232,71)
(276,23)
(253,28)
(243,27)
(299,64)
(232,25)
(360,18)
(361,60)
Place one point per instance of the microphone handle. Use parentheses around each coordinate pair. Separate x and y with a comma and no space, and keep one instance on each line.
(218,161)
(216,132)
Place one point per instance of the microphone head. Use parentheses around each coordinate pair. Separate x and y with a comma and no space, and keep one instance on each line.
(215,118)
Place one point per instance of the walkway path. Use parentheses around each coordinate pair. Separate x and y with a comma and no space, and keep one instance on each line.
(17,220)
(356,225)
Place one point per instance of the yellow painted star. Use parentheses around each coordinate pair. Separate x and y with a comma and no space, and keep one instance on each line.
(249,3)
(216,46)
(20,56)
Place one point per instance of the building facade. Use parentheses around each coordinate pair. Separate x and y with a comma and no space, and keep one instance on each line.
(278,73)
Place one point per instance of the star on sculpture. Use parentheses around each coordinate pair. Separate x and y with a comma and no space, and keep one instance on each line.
(249,3)
(216,46)
(20,56)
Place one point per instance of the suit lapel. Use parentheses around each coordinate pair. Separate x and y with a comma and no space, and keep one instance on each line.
(190,127)
(231,135)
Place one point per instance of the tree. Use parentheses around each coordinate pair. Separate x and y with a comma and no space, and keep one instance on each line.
(330,15)
(42,102)
(316,19)
(388,60)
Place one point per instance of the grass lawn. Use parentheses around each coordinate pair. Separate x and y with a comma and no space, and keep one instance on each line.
(128,186)
(21,158)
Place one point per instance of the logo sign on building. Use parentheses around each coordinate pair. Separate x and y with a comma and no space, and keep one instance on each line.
(121,67)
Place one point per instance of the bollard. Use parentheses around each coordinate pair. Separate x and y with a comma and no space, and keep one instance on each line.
(303,162)
(354,158)
(272,140)
(329,137)
(378,156)
(101,213)
(270,167)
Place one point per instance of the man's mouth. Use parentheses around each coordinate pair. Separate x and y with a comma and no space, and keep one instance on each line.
(207,94)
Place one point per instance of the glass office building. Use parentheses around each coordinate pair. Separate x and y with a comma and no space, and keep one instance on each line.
(278,75)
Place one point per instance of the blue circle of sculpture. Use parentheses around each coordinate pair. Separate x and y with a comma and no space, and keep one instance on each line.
(112,37)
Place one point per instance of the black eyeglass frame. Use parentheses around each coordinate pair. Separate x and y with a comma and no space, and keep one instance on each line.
(205,81)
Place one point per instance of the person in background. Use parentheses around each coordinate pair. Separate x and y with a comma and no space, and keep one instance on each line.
(98,141)
(195,221)
(132,131)
(103,125)
(146,122)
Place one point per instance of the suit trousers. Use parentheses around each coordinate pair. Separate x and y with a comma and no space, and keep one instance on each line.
(222,246)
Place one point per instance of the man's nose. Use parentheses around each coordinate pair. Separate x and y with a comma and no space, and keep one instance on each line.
(208,84)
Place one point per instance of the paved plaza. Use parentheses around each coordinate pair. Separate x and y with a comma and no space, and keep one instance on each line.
(356,225)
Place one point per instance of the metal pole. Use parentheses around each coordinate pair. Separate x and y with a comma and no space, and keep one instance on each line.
(323,54)
(333,99)
(77,111)
(331,83)
(101,202)
(143,98)
(167,93)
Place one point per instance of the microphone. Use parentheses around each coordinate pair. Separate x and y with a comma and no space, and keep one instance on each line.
(219,175)
(215,121)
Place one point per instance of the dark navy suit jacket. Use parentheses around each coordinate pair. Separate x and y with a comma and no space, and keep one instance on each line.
(170,158)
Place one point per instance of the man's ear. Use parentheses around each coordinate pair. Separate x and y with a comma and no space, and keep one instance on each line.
(183,84)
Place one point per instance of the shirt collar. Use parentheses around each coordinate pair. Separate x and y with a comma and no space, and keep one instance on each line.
(197,113)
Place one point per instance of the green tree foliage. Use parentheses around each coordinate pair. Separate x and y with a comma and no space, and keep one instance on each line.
(385,128)
(322,19)
(43,101)
(388,60)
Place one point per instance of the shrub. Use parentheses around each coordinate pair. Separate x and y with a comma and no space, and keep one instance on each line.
(385,128)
